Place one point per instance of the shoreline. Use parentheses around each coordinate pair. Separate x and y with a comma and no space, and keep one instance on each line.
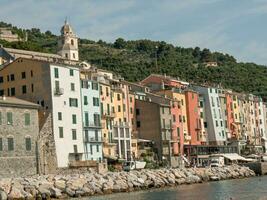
(94,184)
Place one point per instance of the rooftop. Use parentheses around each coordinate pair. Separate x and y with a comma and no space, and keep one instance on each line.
(12,101)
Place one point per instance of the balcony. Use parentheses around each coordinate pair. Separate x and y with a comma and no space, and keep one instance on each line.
(93,125)
(167,127)
(108,114)
(93,140)
(122,124)
(109,142)
(58,91)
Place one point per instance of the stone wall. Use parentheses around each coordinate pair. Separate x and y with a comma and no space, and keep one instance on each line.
(46,144)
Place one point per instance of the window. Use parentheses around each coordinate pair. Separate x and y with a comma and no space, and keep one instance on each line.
(56,72)
(86,119)
(162,110)
(13,91)
(28,144)
(94,86)
(1,79)
(74,119)
(216,123)
(71,72)
(12,77)
(118,97)
(31,73)
(174,118)
(75,148)
(97,148)
(131,99)
(10,144)
(32,88)
(72,87)
(72,42)
(9,118)
(0,118)
(119,108)
(138,124)
(24,89)
(7,78)
(1,144)
(27,119)
(96,135)
(91,149)
(183,118)
(23,75)
(59,116)
(85,100)
(97,119)
(131,110)
(201,115)
(137,111)
(74,134)
(107,93)
(73,102)
(95,101)
(206,124)
(60,129)
(178,131)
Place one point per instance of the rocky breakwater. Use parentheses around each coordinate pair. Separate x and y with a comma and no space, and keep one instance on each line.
(88,184)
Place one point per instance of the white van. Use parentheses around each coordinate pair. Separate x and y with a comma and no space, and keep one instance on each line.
(131,165)
(216,161)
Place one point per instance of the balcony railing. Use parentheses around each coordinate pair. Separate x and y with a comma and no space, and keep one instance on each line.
(93,139)
(168,127)
(108,114)
(93,125)
(58,91)
(121,124)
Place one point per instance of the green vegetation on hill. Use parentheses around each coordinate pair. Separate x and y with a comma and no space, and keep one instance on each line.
(135,60)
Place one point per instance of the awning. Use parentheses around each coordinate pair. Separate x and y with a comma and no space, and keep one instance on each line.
(233,156)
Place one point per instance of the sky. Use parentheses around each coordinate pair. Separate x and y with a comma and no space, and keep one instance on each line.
(236,27)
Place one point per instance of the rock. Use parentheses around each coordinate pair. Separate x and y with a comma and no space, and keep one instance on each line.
(15,194)
(3,195)
(214,178)
(70,192)
(55,192)
(5,185)
(60,184)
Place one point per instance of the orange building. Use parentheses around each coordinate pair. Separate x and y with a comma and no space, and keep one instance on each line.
(193,116)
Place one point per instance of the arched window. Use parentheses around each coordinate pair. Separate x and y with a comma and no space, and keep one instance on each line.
(72,42)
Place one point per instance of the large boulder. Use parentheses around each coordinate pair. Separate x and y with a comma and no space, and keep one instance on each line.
(3,195)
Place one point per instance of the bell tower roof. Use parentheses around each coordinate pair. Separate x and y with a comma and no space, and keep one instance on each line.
(66,29)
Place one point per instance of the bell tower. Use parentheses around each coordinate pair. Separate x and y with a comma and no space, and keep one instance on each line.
(68,43)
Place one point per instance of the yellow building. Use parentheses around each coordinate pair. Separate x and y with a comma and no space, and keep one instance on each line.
(180,97)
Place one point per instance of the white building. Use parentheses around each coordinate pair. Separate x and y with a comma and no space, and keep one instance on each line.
(67,113)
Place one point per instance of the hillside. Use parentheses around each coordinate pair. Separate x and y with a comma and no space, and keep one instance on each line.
(135,60)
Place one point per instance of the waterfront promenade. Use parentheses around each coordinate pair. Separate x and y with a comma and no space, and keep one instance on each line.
(91,183)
